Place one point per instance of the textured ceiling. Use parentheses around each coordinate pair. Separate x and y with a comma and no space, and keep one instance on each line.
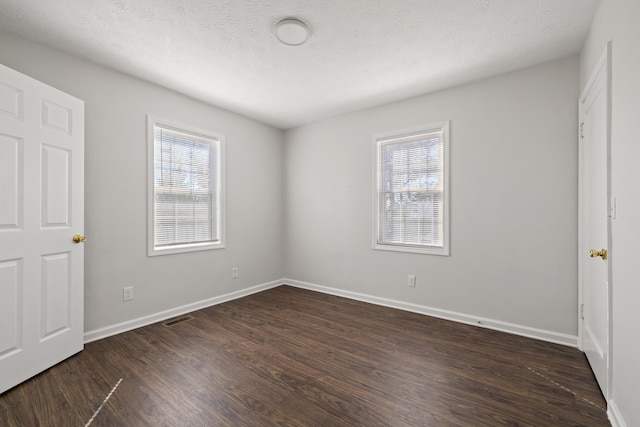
(361,52)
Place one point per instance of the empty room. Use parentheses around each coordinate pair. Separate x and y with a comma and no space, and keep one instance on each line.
(330,213)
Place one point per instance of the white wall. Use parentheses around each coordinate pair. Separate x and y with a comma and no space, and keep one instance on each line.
(617,20)
(514,201)
(116,107)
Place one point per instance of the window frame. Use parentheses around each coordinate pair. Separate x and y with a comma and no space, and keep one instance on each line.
(152,250)
(377,139)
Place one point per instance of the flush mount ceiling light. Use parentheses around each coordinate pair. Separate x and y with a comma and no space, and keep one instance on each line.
(292,32)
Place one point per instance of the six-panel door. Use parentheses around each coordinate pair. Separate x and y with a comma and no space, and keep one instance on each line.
(41,208)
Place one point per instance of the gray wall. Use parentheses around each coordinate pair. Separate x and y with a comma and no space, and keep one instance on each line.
(618,21)
(514,197)
(514,201)
(115,191)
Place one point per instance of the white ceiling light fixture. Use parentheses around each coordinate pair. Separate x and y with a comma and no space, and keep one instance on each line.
(292,32)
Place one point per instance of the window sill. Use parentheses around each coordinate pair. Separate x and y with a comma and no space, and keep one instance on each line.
(441,251)
(195,247)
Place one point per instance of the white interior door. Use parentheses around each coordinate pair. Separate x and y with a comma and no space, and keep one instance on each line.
(595,222)
(41,208)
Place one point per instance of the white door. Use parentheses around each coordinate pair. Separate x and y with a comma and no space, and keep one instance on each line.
(41,209)
(595,222)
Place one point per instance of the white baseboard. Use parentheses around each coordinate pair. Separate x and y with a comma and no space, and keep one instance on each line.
(167,314)
(540,334)
(615,417)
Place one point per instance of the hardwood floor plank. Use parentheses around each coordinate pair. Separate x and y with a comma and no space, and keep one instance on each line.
(290,357)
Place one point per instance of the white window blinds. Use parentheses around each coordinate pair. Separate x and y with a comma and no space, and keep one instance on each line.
(410,196)
(186,189)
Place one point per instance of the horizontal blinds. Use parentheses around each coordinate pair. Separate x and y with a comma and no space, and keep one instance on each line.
(186,199)
(410,190)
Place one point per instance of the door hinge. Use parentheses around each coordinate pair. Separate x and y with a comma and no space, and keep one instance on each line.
(612,209)
(582,311)
(582,130)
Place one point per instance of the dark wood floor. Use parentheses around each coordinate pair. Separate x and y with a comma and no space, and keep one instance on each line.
(291,357)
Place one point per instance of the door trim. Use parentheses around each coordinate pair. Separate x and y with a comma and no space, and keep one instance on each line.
(603,65)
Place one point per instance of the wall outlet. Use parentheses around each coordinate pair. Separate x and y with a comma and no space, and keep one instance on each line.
(411,281)
(127,293)
(234,273)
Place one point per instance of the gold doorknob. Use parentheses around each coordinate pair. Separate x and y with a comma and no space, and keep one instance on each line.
(79,239)
(602,253)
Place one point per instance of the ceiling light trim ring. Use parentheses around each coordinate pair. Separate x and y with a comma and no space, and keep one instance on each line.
(292,32)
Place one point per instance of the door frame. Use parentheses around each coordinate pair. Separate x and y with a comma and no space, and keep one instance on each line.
(603,65)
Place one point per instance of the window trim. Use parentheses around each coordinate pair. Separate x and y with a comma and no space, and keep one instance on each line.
(152,250)
(404,133)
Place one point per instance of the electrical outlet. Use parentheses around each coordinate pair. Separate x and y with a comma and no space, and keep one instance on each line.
(411,281)
(127,293)
(234,273)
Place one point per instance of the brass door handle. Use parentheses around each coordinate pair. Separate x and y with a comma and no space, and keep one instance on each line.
(602,253)
(79,239)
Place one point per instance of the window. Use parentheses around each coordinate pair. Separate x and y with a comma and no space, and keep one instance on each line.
(185,167)
(411,198)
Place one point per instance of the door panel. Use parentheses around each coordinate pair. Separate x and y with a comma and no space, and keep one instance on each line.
(56,117)
(41,208)
(11,182)
(56,191)
(11,101)
(10,307)
(55,294)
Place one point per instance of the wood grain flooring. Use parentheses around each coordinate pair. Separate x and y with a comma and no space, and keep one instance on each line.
(291,357)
